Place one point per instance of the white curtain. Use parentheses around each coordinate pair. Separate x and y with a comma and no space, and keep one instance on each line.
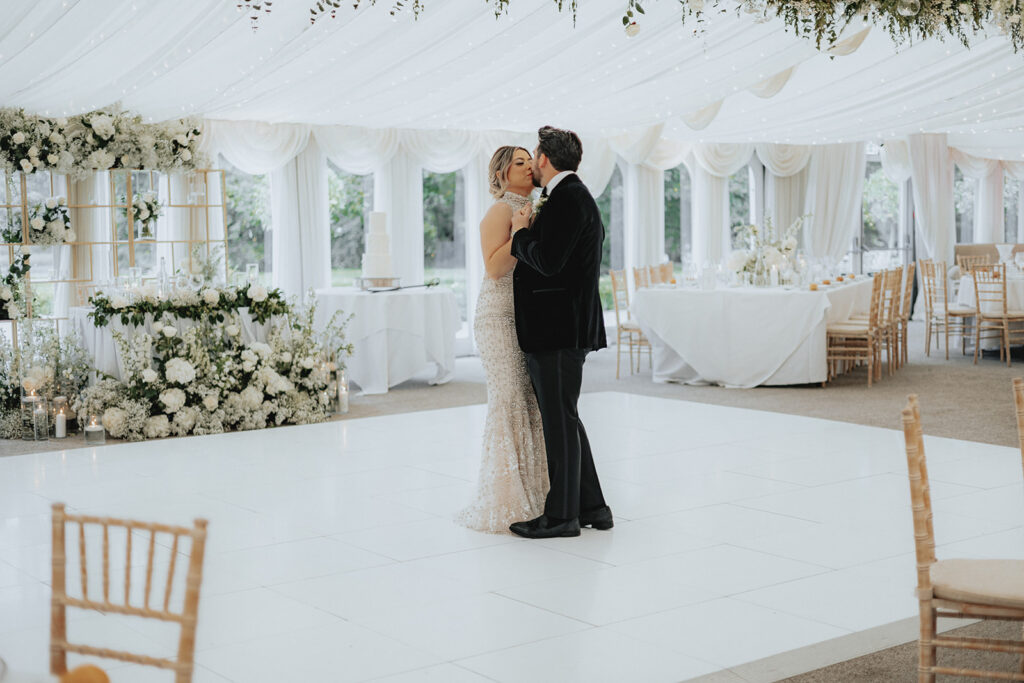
(932,172)
(359,151)
(834,189)
(597,166)
(299,212)
(895,156)
(643,198)
(785,181)
(710,166)
(255,147)
(988,205)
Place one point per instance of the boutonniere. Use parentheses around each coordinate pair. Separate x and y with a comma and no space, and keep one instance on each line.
(538,204)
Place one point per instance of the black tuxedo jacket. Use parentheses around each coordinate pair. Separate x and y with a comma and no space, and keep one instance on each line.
(557,304)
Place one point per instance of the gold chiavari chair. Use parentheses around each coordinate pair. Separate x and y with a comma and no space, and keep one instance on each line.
(1018,399)
(889,315)
(628,332)
(995,319)
(940,314)
(904,320)
(654,275)
(186,617)
(858,341)
(641,277)
(667,274)
(957,588)
(967,263)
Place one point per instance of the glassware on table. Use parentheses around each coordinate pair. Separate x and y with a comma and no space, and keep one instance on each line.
(1005,252)
(252,273)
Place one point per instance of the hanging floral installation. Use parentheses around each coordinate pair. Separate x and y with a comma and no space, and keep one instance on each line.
(97,141)
(817,20)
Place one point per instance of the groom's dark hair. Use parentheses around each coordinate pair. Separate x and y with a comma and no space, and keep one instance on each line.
(562,147)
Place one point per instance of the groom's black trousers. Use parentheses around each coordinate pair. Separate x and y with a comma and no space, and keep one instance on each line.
(557,377)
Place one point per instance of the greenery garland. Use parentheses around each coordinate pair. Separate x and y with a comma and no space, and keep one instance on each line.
(211,305)
(818,20)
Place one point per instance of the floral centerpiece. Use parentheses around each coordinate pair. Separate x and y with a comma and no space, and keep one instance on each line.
(49,223)
(96,141)
(145,208)
(208,380)
(767,250)
(212,304)
(12,289)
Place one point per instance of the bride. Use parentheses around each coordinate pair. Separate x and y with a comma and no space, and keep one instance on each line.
(513,481)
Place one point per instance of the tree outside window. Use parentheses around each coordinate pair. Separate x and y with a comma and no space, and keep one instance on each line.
(444,232)
(248,220)
(739,205)
(350,200)
(612,216)
(964,192)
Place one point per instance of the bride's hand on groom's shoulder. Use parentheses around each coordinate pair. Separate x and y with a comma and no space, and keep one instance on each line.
(521,218)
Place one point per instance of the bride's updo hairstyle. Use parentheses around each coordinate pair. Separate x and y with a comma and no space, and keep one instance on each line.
(500,164)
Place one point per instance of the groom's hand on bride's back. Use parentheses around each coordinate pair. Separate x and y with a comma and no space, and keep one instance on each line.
(521,218)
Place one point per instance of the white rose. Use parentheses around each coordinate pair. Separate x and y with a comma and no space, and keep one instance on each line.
(230,295)
(26,165)
(789,244)
(51,203)
(114,421)
(286,357)
(210,402)
(18,138)
(117,301)
(737,260)
(6,293)
(252,398)
(52,159)
(173,399)
(33,151)
(37,223)
(258,293)
(144,214)
(62,200)
(56,138)
(232,330)
(69,235)
(56,226)
(170,331)
(148,291)
(37,162)
(149,375)
(211,296)
(306,363)
(186,155)
(263,349)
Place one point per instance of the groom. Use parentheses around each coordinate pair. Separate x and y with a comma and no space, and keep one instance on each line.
(558,320)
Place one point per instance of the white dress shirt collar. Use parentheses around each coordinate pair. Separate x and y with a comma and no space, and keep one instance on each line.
(550,187)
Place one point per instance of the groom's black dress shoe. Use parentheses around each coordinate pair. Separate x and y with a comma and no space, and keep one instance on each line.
(599,518)
(542,527)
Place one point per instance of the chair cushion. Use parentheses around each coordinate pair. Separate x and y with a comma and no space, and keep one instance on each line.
(961,310)
(987,582)
(849,326)
(629,325)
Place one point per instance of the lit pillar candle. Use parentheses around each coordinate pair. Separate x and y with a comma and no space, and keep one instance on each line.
(60,425)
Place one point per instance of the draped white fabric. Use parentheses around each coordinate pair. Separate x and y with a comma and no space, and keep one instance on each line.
(710,166)
(771,86)
(932,172)
(834,188)
(722,160)
(359,151)
(895,157)
(785,181)
(255,147)
(299,211)
(597,166)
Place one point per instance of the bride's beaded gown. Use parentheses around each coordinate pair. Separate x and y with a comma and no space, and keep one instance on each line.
(513,480)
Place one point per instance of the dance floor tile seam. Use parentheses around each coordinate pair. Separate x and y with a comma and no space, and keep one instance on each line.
(740,535)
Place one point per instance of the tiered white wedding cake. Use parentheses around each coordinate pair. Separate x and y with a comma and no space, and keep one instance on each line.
(377,259)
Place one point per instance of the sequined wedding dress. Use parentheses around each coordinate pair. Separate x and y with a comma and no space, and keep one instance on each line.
(513,480)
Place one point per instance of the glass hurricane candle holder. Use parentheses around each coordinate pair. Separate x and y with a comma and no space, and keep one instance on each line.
(95,435)
(342,404)
(34,418)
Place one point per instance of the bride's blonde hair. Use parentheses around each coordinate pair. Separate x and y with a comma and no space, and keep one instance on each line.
(497,171)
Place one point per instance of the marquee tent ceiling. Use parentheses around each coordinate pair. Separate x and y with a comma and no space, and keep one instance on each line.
(460,67)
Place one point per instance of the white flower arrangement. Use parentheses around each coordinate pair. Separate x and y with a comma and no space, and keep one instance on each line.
(767,249)
(207,380)
(50,223)
(96,141)
(145,208)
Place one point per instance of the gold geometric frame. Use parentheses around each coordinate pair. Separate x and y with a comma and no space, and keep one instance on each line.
(113,231)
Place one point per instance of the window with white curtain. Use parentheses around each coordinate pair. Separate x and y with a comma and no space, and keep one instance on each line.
(612,215)
(1013,209)
(350,200)
(248,224)
(965,191)
(678,229)
(444,232)
(740,184)
(881,245)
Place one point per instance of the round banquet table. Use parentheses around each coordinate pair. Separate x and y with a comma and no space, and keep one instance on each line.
(744,336)
(395,335)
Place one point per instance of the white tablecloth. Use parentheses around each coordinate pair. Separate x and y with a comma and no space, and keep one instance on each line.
(744,336)
(394,334)
(99,341)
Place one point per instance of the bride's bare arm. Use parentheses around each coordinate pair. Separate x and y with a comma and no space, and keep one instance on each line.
(496,241)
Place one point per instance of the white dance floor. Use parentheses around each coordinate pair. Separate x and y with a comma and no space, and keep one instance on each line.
(740,535)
